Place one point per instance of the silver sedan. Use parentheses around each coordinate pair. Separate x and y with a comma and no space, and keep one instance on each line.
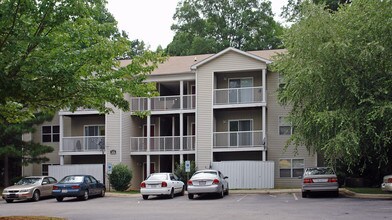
(32,187)
(206,182)
(319,179)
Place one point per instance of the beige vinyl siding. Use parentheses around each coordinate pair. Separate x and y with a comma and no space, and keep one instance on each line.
(205,74)
(113,134)
(276,142)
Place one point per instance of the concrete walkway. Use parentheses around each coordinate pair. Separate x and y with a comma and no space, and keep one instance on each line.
(342,191)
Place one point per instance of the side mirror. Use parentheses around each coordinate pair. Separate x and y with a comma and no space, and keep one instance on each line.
(300,177)
(225,177)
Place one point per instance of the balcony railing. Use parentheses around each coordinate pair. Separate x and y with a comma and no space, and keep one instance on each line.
(245,95)
(83,144)
(161,144)
(164,103)
(238,139)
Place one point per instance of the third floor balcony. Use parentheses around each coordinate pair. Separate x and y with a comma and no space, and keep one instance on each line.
(239,96)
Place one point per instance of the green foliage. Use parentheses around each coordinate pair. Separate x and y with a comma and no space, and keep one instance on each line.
(180,171)
(121,177)
(338,80)
(210,26)
(64,54)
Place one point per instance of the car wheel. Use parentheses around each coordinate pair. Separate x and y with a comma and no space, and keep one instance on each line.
(222,193)
(9,200)
(171,196)
(190,196)
(85,196)
(304,195)
(145,197)
(36,196)
(102,193)
(59,199)
(182,191)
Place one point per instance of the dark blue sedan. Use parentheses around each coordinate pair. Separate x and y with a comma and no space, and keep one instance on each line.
(80,186)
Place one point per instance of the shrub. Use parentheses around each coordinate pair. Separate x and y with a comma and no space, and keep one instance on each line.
(121,177)
(180,171)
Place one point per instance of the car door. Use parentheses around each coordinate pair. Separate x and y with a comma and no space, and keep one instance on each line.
(89,185)
(176,183)
(46,187)
(94,185)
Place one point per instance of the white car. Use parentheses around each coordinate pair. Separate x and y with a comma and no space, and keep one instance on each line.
(162,184)
(386,185)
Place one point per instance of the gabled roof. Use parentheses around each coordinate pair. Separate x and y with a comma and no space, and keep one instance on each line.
(230,49)
(183,64)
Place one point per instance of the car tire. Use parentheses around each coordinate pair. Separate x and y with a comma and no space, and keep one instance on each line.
(182,191)
(222,193)
(102,193)
(171,195)
(59,199)
(9,200)
(36,196)
(190,196)
(85,196)
(145,197)
(304,194)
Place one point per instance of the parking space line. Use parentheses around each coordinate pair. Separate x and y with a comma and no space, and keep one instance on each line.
(242,198)
(295,196)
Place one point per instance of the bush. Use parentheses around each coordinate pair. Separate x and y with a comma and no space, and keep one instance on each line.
(121,177)
(180,171)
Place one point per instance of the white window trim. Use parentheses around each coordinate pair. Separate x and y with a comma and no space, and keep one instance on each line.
(291,167)
(279,125)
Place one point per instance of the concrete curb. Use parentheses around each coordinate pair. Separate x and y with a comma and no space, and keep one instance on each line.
(352,194)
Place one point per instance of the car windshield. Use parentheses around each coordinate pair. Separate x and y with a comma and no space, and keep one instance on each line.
(157,176)
(205,174)
(28,181)
(72,179)
(319,171)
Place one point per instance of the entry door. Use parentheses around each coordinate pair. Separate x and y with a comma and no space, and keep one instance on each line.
(240,90)
(240,133)
(152,169)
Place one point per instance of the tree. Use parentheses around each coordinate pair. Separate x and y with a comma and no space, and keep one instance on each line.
(293,7)
(338,80)
(210,26)
(120,177)
(64,54)
(12,145)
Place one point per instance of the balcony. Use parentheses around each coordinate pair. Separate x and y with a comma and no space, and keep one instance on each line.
(164,103)
(83,144)
(236,96)
(163,144)
(237,140)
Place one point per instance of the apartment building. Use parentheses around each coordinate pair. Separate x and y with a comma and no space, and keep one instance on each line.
(211,107)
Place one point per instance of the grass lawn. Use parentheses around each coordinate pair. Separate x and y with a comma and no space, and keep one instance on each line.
(366,190)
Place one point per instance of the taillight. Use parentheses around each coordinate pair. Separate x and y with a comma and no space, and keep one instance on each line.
(389,180)
(75,187)
(308,180)
(216,181)
(332,180)
(164,184)
(143,185)
(55,188)
(190,182)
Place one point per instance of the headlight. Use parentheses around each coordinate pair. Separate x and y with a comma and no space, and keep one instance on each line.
(24,190)
(5,191)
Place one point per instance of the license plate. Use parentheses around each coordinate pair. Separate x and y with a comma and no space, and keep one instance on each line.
(320,180)
(202,183)
(64,191)
(12,196)
(153,186)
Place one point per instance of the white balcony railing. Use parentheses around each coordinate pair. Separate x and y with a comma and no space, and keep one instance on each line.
(245,95)
(238,139)
(164,103)
(161,144)
(83,144)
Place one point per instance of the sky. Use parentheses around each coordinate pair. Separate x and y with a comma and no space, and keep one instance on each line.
(150,20)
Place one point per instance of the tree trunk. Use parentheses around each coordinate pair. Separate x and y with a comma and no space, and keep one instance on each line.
(6,181)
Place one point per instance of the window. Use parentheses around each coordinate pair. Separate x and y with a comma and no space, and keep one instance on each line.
(51,133)
(285,127)
(241,90)
(291,168)
(240,132)
(45,168)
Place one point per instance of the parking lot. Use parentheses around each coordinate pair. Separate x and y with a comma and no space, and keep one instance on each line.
(234,206)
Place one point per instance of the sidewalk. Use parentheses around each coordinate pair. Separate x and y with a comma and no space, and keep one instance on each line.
(342,192)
